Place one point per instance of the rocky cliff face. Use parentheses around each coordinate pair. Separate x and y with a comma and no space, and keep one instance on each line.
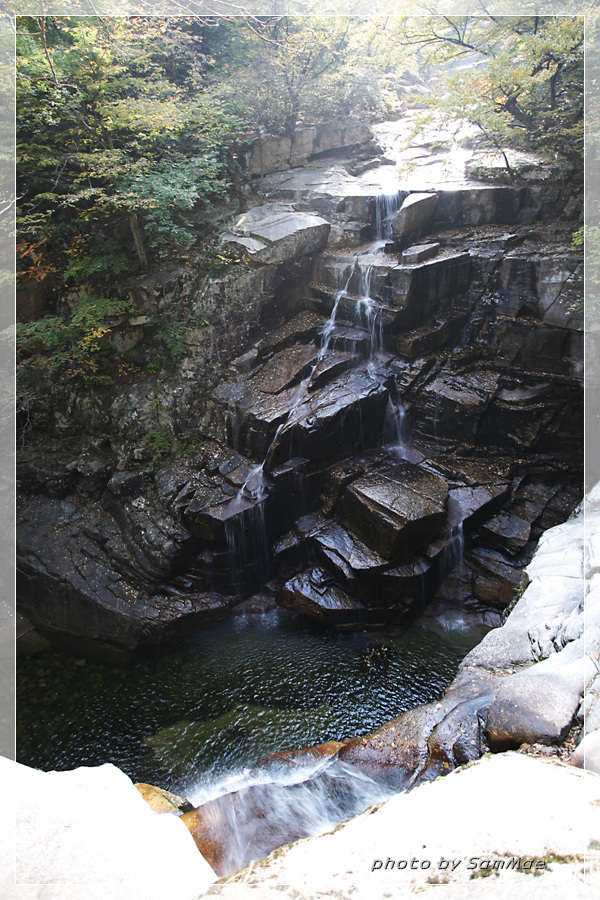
(386,403)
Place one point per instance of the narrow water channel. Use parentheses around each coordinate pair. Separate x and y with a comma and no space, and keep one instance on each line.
(197,715)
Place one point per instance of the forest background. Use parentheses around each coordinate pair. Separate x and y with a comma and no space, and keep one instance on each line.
(131,134)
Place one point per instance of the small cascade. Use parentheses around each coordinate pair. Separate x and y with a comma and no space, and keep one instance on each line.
(304,385)
(284,805)
(365,288)
(246,533)
(395,429)
(248,544)
(454,551)
(386,207)
(370,320)
(254,486)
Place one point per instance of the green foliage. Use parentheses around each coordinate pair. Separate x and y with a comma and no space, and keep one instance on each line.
(519,79)
(172,340)
(73,348)
(160,441)
(578,239)
(289,70)
(119,139)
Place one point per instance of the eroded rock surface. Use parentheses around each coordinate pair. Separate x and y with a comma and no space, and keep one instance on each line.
(423,404)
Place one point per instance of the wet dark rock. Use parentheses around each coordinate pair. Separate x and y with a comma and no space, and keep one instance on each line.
(349,340)
(395,511)
(129,484)
(371,578)
(290,552)
(337,478)
(70,581)
(316,595)
(419,253)
(494,579)
(515,286)
(286,368)
(301,328)
(331,364)
(532,346)
(531,499)
(454,405)
(507,533)
(441,332)
(346,415)
(484,467)
(414,218)
(473,505)
(419,289)
(478,205)
(527,413)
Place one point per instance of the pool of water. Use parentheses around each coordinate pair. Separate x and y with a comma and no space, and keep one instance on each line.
(195,713)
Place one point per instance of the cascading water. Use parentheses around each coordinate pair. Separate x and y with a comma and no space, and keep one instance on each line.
(303,388)
(395,429)
(259,816)
(292,802)
(370,319)
(248,544)
(454,550)
(246,531)
(386,207)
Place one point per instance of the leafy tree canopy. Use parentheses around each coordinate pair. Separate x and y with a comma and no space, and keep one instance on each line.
(115,126)
(519,79)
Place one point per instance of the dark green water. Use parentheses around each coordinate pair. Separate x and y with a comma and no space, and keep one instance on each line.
(227,696)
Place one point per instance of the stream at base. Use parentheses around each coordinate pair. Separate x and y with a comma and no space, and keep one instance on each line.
(195,717)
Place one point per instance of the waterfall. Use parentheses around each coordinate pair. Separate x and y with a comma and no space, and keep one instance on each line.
(283,805)
(370,319)
(395,429)
(326,336)
(366,275)
(254,486)
(454,551)
(248,544)
(386,207)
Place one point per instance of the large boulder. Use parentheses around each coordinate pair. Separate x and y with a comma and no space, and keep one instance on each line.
(316,595)
(276,233)
(90,829)
(94,577)
(396,511)
(414,218)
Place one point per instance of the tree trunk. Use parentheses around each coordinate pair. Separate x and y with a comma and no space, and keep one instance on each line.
(138,239)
